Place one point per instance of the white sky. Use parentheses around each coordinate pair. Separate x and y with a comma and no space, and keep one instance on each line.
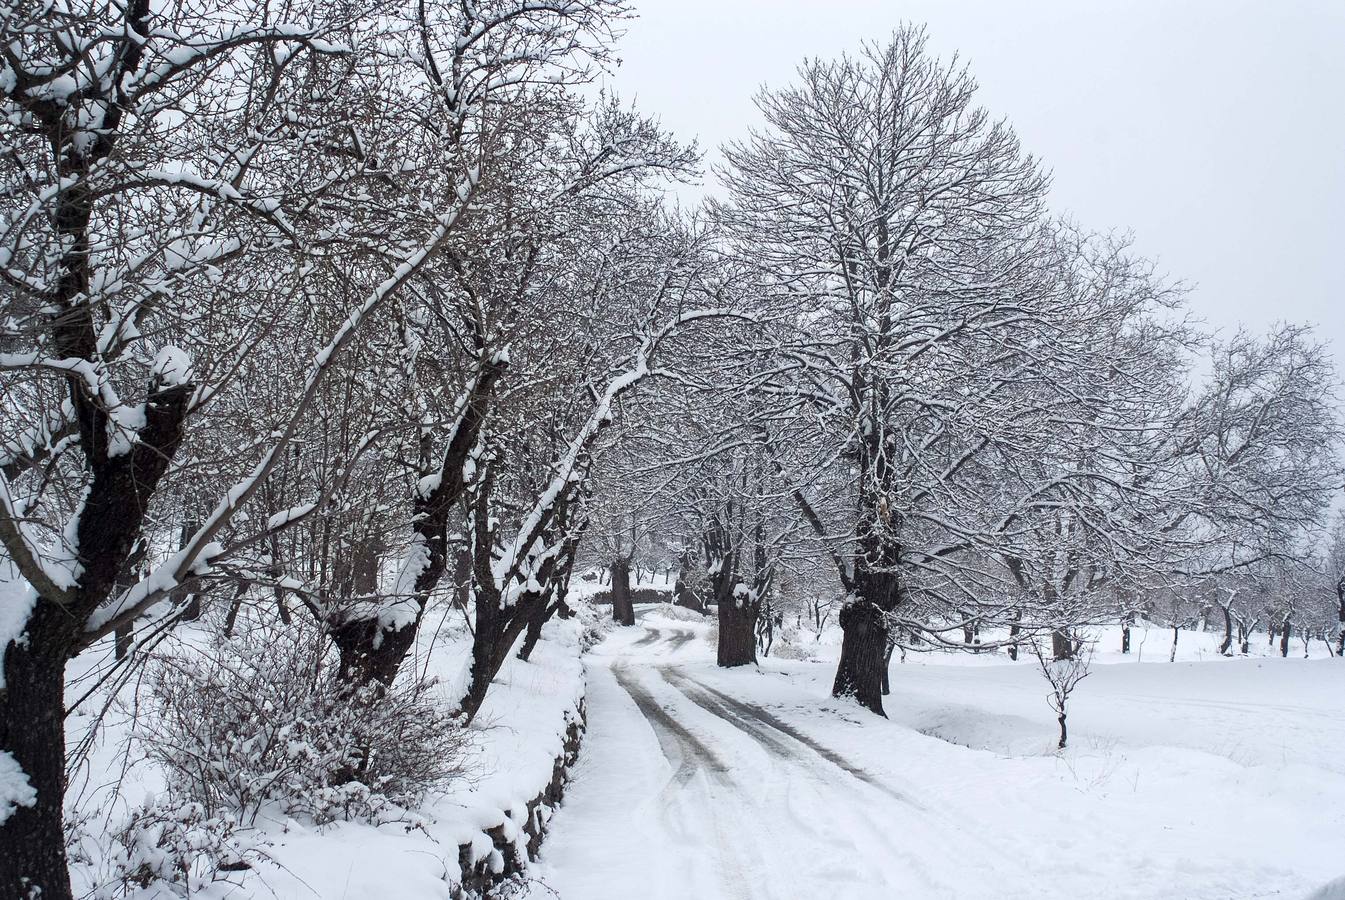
(1214,129)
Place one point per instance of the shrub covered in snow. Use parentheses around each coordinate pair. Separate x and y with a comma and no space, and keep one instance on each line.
(176,848)
(596,623)
(261,719)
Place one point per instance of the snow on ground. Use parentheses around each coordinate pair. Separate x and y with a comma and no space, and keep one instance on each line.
(518,735)
(1214,779)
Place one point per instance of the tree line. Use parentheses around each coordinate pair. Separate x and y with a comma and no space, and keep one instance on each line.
(335,312)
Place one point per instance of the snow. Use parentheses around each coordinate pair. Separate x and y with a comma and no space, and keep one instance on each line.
(17,601)
(517,736)
(172,367)
(1198,779)
(15,791)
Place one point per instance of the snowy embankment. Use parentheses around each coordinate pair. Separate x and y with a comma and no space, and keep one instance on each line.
(1195,779)
(473,831)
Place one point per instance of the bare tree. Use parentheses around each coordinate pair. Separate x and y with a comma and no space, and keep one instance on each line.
(1063,675)
(146,192)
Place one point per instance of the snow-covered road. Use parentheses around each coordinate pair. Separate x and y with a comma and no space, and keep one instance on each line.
(702,783)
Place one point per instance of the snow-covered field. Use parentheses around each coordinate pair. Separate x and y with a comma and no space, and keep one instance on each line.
(1204,778)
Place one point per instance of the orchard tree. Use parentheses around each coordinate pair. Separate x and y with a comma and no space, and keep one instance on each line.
(176,180)
(898,224)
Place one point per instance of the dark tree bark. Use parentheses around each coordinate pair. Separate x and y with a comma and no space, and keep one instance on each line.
(369,651)
(497,627)
(231,618)
(32,703)
(557,606)
(32,729)
(1340,611)
(1226,645)
(623,609)
(191,610)
(736,612)
(737,644)
(1127,623)
(1062,644)
(864,641)
(1284,638)
(875,592)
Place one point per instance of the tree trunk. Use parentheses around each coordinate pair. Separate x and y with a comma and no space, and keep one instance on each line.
(1228,633)
(539,617)
(1340,612)
(1062,645)
(887,669)
(1014,631)
(192,612)
(864,643)
(1127,622)
(462,577)
(32,731)
(231,617)
(496,632)
(1176,633)
(1284,639)
(623,610)
(737,632)
(1064,734)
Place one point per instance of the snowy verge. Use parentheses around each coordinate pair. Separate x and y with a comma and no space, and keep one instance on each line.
(480,829)
(477,832)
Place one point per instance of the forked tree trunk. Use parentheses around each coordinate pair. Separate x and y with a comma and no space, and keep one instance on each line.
(557,606)
(32,703)
(369,651)
(623,609)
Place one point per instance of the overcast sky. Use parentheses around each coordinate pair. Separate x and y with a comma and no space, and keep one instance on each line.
(1214,129)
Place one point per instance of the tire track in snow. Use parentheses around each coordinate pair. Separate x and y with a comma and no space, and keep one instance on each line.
(816,822)
(653,636)
(693,756)
(756,721)
(690,752)
(936,826)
